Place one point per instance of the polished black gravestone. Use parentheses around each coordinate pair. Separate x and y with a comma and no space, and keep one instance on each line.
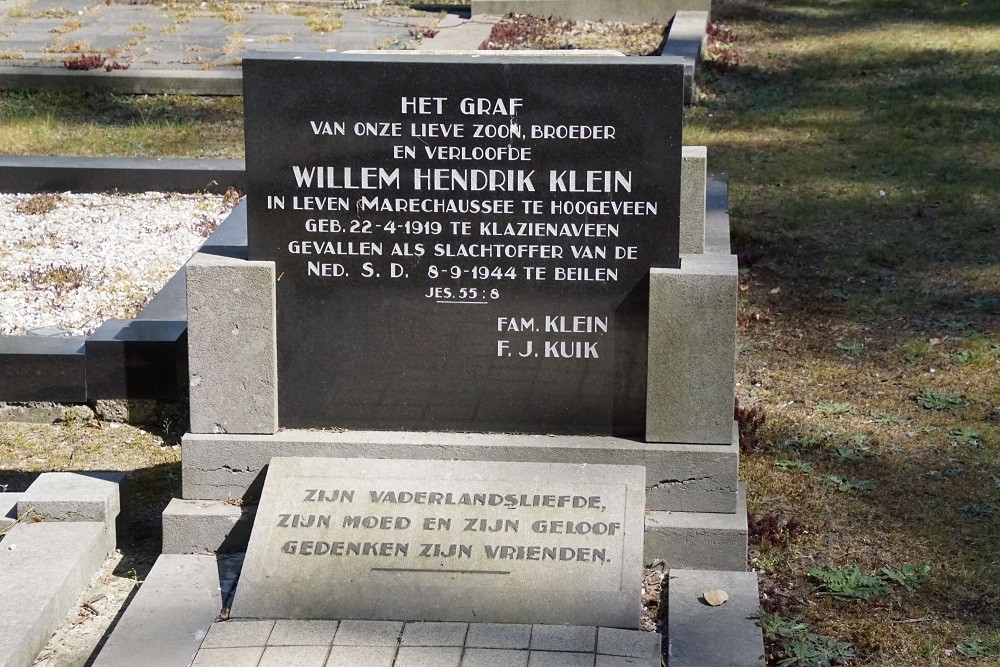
(463,244)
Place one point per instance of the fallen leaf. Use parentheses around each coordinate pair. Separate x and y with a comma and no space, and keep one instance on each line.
(775,290)
(715,597)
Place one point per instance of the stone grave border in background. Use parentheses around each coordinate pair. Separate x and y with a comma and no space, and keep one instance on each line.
(56,537)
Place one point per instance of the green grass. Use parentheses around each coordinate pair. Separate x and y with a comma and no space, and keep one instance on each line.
(99,124)
(863,152)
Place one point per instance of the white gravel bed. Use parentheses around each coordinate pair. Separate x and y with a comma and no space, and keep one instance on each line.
(93,257)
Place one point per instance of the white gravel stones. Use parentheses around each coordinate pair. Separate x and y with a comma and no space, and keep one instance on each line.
(93,257)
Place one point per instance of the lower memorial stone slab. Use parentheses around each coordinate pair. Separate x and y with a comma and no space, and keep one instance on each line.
(446,541)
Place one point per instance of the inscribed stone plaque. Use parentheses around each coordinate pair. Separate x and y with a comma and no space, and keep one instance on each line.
(446,541)
(463,243)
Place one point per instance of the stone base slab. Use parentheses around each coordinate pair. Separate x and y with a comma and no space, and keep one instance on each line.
(44,566)
(699,540)
(679,477)
(171,613)
(699,634)
(206,526)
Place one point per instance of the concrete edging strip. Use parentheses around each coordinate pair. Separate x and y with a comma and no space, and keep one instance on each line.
(132,81)
(31,173)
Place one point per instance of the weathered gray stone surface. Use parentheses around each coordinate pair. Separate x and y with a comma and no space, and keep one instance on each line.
(628,643)
(628,11)
(43,412)
(236,635)
(8,510)
(499,635)
(436,551)
(71,496)
(206,526)
(437,644)
(717,215)
(692,360)
(724,636)
(434,634)
(686,39)
(429,656)
(494,657)
(302,633)
(299,656)
(679,477)
(351,656)
(561,659)
(171,613)
(580,638)
(699,540)
(368,633)
(232,350)
(44,566)
(694,172)
(229,657)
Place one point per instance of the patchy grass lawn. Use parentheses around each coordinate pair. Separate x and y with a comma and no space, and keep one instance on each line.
(100,124)
(863,148)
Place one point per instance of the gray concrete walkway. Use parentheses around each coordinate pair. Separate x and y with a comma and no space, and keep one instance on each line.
(396,644)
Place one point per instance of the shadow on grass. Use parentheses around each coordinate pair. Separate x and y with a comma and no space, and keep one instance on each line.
(867,183)
(116,110)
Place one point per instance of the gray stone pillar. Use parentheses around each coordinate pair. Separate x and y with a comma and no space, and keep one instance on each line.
(692,351)
(232,345)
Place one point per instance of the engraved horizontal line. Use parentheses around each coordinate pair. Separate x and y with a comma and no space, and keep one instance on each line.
(417,569)
(475,303)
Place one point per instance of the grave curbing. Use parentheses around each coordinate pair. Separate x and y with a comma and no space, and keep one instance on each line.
(64,531)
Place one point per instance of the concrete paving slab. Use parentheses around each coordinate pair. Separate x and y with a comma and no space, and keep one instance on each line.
(368,633)
(560,659)
(71,496)
(236,634)
(44,566)
(434,634)
(171,613)
(353,656)
(499,635)
(228,657)
(429,656)
(299,656)
(303,633)
(723,636)
(8,510)
(622,661)
(699,540)
(489,657)
(206,526)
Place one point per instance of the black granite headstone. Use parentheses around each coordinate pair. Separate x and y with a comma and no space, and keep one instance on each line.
(463,244)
